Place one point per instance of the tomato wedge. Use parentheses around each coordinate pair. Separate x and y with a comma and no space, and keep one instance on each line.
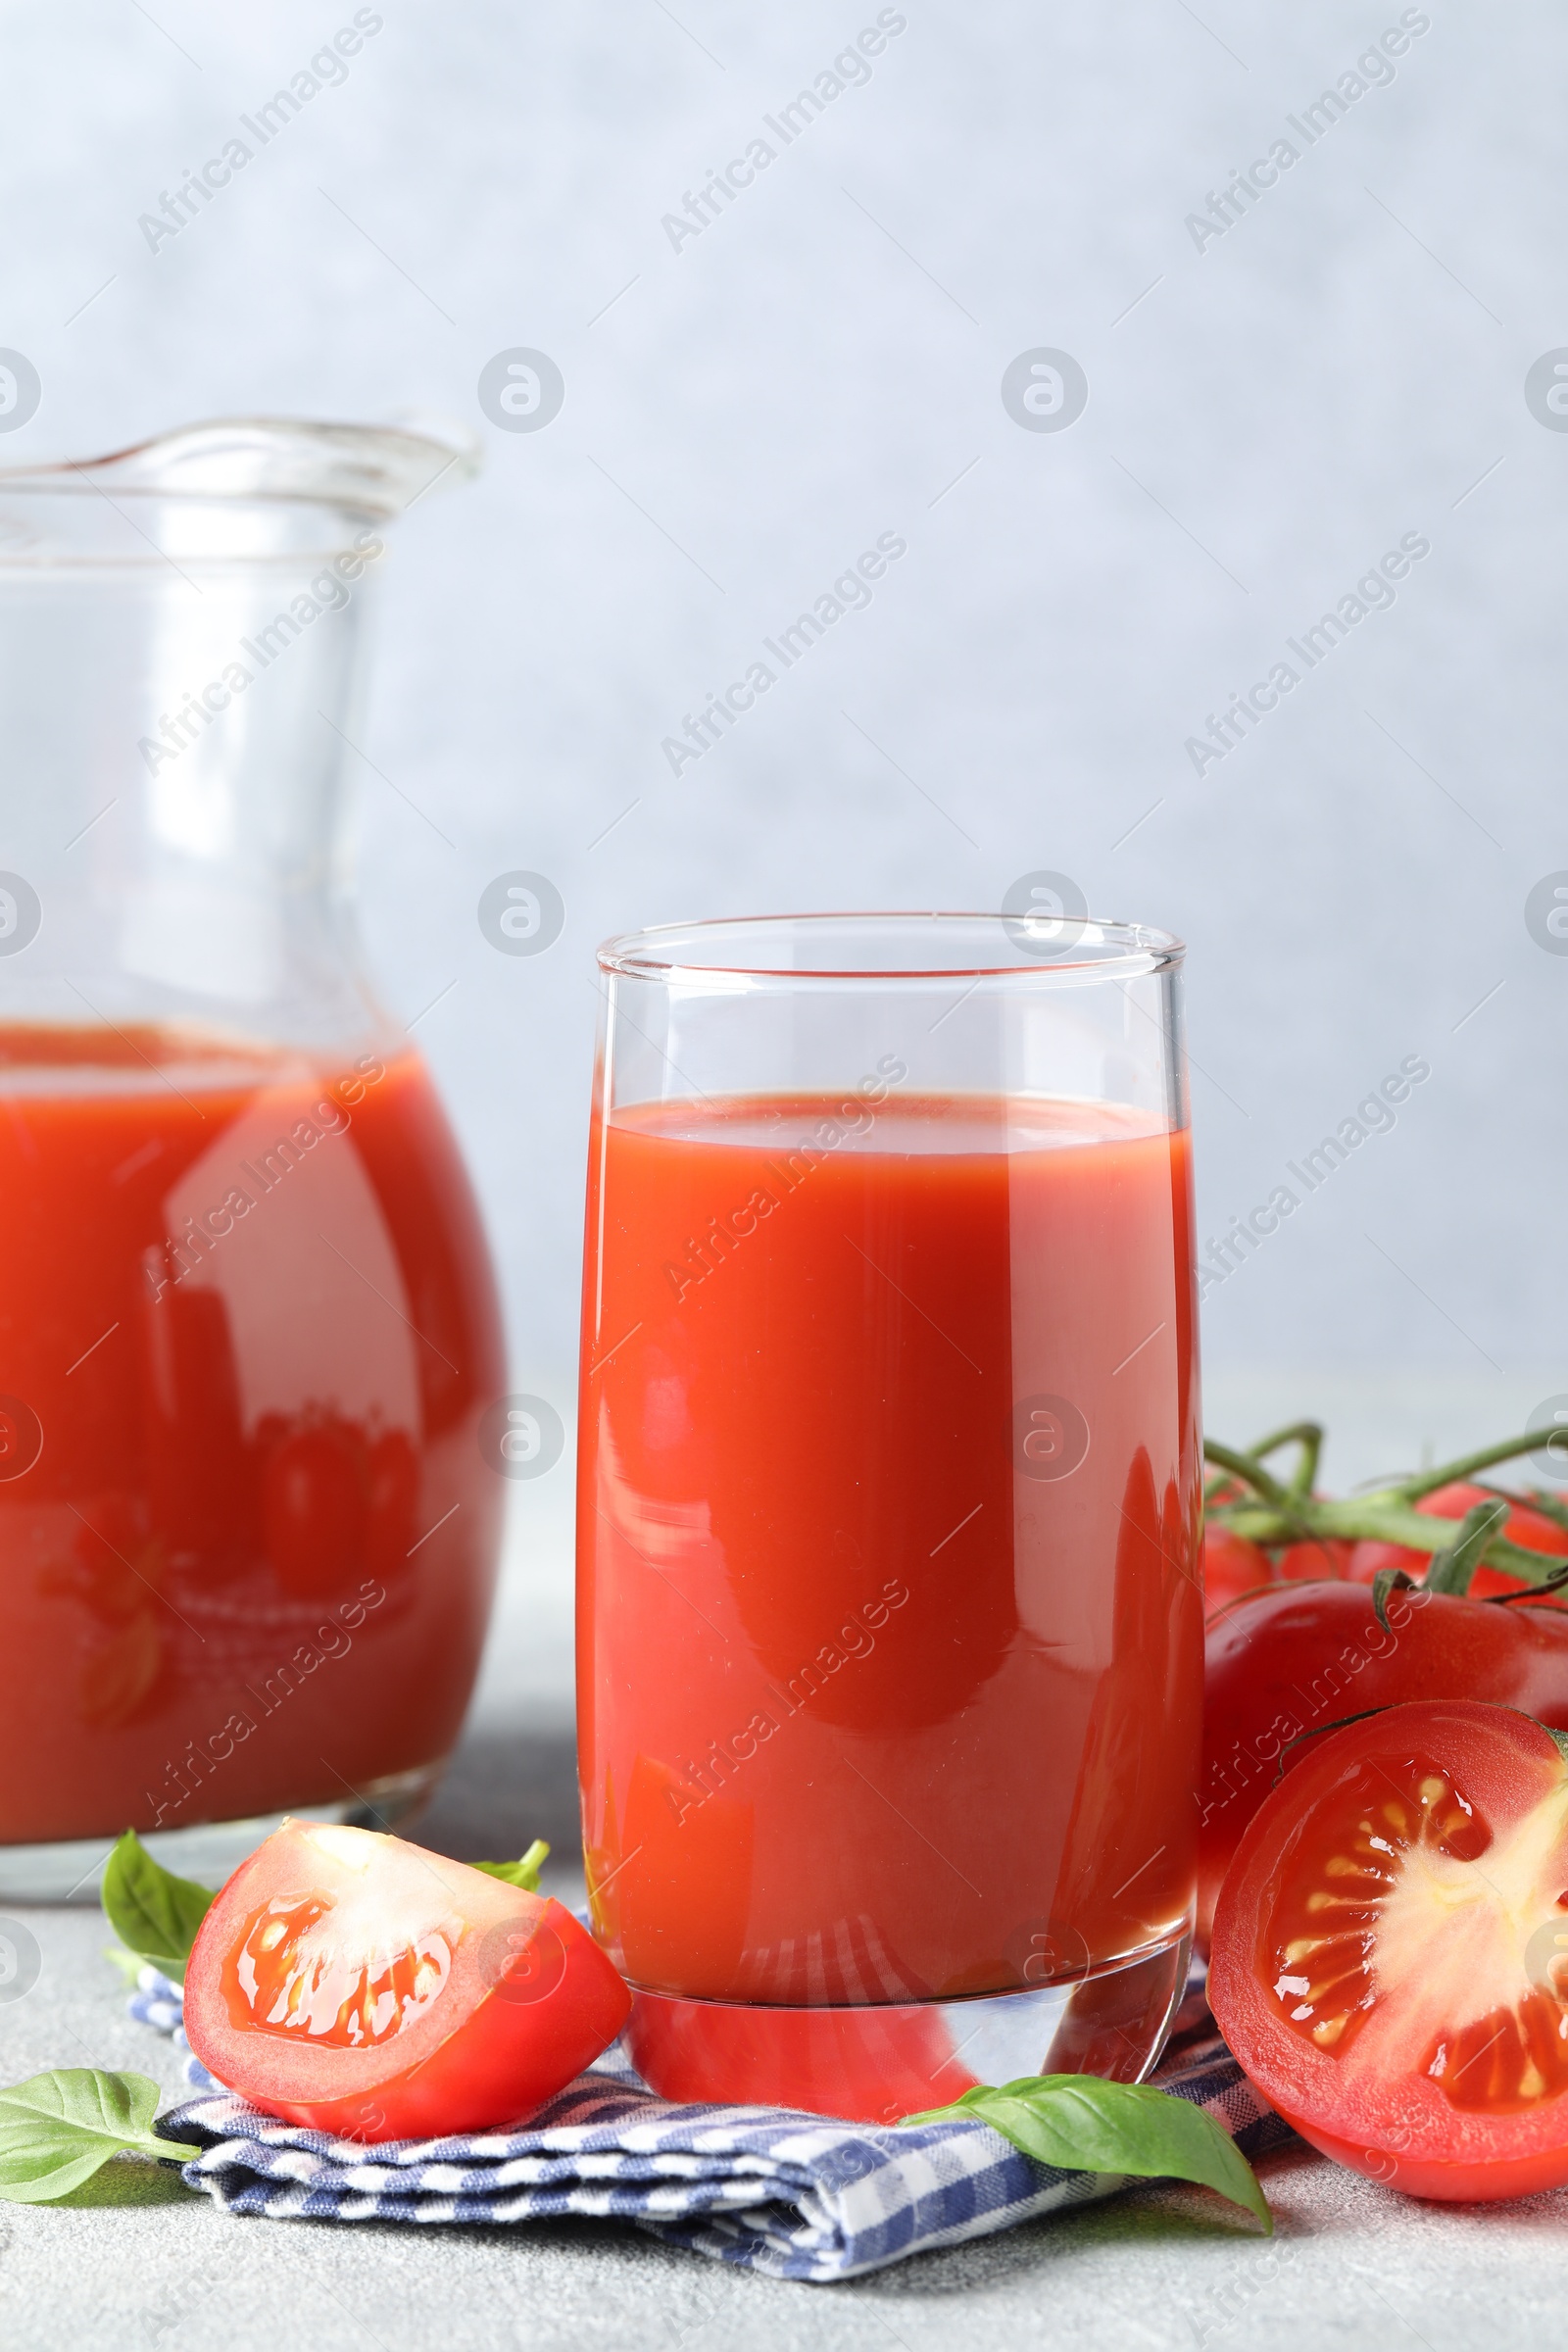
(1391,1950)
(358,1984)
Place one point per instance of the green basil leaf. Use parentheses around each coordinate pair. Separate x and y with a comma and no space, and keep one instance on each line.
(523,1874)
(58,2128)
(1081,2124)
(151,1910)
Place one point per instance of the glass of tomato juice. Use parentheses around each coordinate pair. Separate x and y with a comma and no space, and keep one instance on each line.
(248,1327)
(890,1621)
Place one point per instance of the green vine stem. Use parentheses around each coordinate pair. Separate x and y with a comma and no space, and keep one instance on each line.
(1250,1470)
(1507,1450)
(1272,1513)
(1308,1435)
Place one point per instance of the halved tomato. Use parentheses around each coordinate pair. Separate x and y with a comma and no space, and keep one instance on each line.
(358,1984)
(1391,1950)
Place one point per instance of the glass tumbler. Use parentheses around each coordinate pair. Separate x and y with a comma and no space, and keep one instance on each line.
(890,1620)
(248,1329)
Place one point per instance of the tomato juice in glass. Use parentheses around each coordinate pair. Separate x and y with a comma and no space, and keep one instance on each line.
(890,1620)
(247,1536)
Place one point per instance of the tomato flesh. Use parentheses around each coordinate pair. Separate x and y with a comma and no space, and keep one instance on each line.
(360,1985)
(1389,1946)
(291,1973)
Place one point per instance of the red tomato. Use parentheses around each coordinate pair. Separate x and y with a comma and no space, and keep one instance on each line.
(363,1986)
(1231,1567)
(1304,1564)
(1523,1525)
(1295,1660)
(1389,1948)
(313,1512)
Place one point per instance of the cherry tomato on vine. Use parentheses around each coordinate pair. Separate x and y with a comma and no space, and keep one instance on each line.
(1391,1950)
(1316,1556)
(1231,1567)
(1532,1528)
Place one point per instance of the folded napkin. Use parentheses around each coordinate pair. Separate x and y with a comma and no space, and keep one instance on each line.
(773,2189)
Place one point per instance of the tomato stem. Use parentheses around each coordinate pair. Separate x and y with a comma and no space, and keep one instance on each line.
(1308,1435)
(1274,1514)
(1451,1570)
(1250,1470)
(1549,1584)
(1451,1473)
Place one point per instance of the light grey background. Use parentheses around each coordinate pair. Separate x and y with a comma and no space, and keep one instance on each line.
(822,363)
(742,417)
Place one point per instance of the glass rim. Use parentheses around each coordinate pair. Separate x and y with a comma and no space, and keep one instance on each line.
(653,953)
(230,461)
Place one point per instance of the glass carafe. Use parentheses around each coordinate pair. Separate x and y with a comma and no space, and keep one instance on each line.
(248,1326)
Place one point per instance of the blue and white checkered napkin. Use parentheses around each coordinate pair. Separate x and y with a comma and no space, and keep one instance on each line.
(795,2195)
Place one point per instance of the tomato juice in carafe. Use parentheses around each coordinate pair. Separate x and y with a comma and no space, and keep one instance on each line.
(246,1532)
(248,1325)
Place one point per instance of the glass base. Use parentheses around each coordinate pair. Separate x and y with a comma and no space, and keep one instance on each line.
(71,1871)
(875,2064)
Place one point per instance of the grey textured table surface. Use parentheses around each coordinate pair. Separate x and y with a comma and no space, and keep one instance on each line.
(134,2260)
